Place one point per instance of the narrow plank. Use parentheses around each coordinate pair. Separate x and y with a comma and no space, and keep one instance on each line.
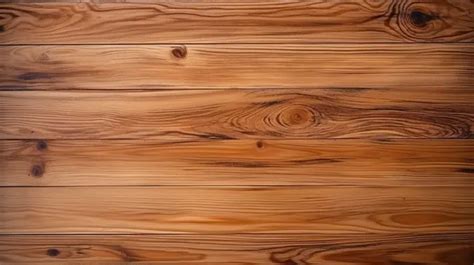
(237,162)
(417,66)
(422,249)
(289,209)
(225,114)
(238,22)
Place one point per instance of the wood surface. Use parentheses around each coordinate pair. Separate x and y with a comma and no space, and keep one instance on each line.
(355,162)
(232,114)
(231,209)
(237,132)
(420,249)
(238,22)
(381,66)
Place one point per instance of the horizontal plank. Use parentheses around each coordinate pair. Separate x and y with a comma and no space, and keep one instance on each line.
(284,209)
(445,249)
(224,114)
(238,22)
(237,162)
(417,66)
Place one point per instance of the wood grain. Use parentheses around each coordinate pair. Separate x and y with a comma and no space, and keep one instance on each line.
(238,22)
(353,249)
(237,162)
(416,66)
(292,209)
(252,114)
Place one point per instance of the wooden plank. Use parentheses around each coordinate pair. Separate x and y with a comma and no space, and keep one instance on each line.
(442,249)
(290,209)
(237,162)
(417,66)
(255,114)
(238,22)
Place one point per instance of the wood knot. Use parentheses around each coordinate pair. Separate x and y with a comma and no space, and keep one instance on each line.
(298,116)
(179,52)
(43,57)
(37,171)
(259,144)
(41,145)
(420,19)
(52,252)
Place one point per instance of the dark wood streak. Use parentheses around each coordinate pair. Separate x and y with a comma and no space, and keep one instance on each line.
(466,170)
(34,76)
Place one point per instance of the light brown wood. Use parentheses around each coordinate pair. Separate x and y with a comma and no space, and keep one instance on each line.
(237,132)
(382,66)
(296,209)
(237,162)
(255,114)
(238,22)
(352,249)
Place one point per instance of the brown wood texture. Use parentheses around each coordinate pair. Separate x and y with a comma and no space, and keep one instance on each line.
(291,209)
(414,66)
(237,132)
(421,249)
(238,22)
(237,162)
(252,114)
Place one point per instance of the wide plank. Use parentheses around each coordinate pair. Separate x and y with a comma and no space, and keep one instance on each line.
(284,209)
(416,66)
(237,162)
(227,114)
(310,249)
(234,21)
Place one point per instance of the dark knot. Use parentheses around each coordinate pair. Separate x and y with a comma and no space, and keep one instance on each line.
(179,52)
(420,19)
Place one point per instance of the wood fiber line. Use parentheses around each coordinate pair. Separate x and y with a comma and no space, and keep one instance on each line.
(237,162)
(253,114)
(289,209)
(421,249)
(415,66)
(291,21)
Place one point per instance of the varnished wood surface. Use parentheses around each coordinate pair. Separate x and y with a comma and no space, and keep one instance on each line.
(237,132)
(252,114)
(237,162)
(423,249)
(238,22)
(382,66)
(290,209)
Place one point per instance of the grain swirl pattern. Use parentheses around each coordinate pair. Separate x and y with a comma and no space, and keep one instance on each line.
(238,22)
(88,67)
(237,162)
(220,210)
(237,114)
(239,249)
